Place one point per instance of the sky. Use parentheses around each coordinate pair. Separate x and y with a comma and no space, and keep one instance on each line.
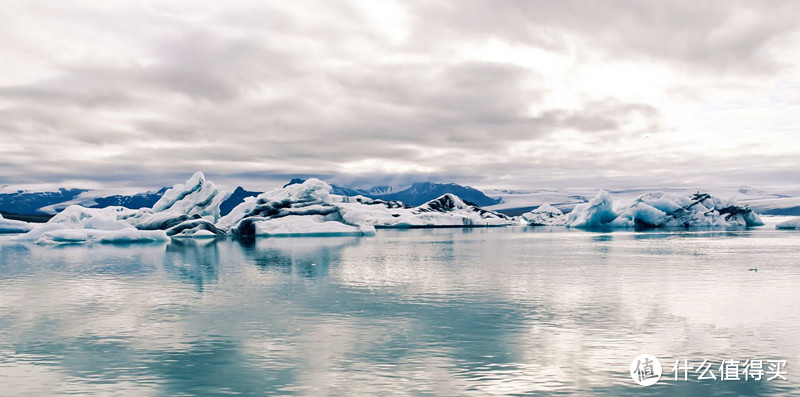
(487,93)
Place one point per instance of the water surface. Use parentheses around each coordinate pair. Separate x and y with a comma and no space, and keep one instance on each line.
(406,312)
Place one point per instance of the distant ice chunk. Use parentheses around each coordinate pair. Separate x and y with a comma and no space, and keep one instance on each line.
(793,223)
(78,236)
(653,210)
(308,225)
(13,226)
(544,215)
(76,224)
(598,212)
(360,210)
(77,217)
(697,210)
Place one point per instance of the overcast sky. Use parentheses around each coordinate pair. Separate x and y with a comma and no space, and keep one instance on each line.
(488,93)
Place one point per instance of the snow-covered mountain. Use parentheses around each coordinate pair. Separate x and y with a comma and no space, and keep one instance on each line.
(519,201)
(420,193)
(414,195)
(51,202)
(236,198)
(31,203)
(382,190)
(134,201)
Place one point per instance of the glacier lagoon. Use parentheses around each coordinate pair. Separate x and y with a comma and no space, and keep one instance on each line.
(482,311)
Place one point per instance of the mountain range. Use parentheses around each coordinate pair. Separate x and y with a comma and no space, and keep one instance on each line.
(414,195)
(41,203)
(39,206)
(31,203)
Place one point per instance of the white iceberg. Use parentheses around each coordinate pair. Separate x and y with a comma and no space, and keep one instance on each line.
(13,226)
(308,225)
(310,209)
(76,224)
(658,209)
(544,215)
(793,223)
(186,210)
(197,196)
(295,210)
(447,210)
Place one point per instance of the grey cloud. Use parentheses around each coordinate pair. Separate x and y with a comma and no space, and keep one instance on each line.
(713,36)
(609,115)
(288,93)
(205,66)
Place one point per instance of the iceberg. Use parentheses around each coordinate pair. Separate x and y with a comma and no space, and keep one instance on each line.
(544,215)
(301,209)
(653,210)
(197,196)
(309,208)
(308,225)
(793,223)
(598,212)
(12,226)
(447,210)
(76,224)
(190,209)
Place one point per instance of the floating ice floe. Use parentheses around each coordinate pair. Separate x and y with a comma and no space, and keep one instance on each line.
(544,215)
(187,210)
(654,210)
(13,226)
(309,225)
(597,212)
(76,224)
(793,223)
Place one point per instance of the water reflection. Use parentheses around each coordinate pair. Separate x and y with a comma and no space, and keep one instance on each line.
(308,257)
(194,260)
(442,311)
(125,259)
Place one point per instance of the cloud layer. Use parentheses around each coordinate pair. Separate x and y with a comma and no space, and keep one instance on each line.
(502,93)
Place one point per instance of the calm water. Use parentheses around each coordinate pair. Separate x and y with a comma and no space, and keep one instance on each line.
(415,312)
